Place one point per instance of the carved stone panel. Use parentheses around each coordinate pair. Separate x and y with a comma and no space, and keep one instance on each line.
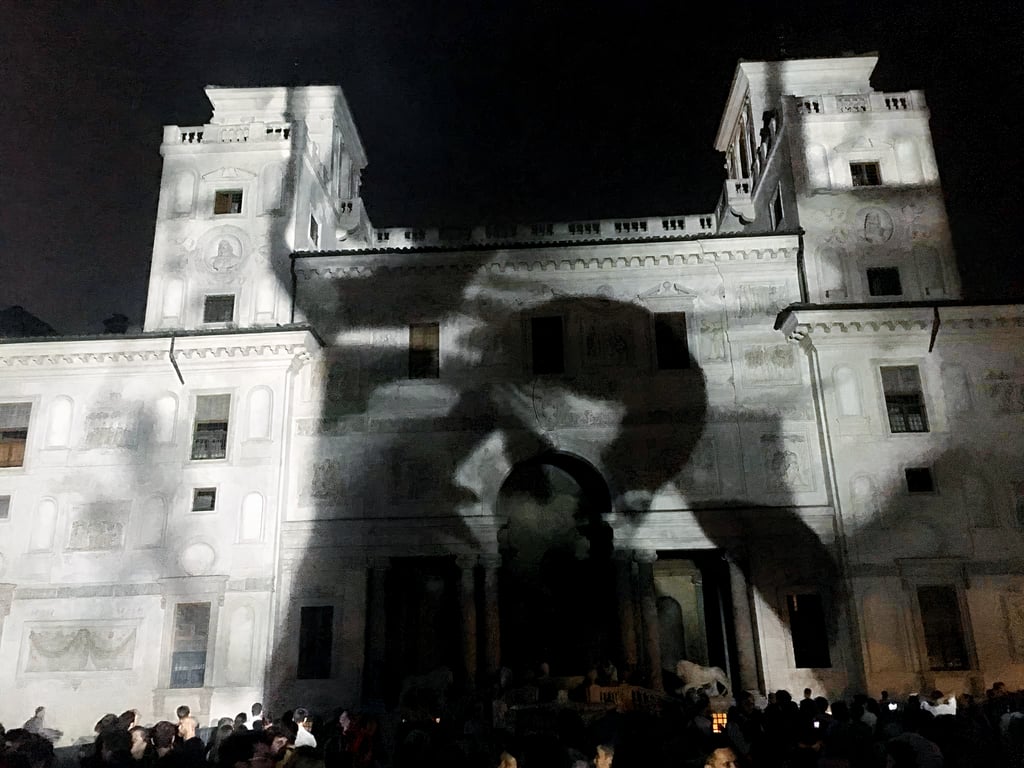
(761,300)
(787,463)
(1013,608)
(99,526)
(79,648)
(1004,391)
(112,422)
(768,365)
(875,225)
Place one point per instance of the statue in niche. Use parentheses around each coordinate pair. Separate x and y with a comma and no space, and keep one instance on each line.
(878,226)
(713,336)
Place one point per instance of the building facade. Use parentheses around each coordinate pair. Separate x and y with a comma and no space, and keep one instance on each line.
(769,437)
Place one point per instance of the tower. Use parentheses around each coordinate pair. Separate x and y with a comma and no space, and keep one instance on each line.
(809,144)
(274,171)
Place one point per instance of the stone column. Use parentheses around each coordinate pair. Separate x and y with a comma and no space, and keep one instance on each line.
(649,611)
(627,610)
(467,569)
(492,618)
(376,628)
(746,647)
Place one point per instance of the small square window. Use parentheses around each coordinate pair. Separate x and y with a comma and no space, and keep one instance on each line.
(919,480)
(219,309)
(548,345)
(314,231)
(424,351)
(884,281)
(227,201)
(5,507)
(865,174)
(204,499)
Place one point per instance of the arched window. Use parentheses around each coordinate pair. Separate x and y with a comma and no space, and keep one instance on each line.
(261,413)
(250,527)
(58,430)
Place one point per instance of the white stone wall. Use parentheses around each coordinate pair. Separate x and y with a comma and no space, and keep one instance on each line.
(101,541)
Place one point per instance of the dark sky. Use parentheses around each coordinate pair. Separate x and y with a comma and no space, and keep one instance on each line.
(470,112)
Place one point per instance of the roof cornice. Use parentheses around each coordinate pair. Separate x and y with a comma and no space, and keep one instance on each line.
(895,320)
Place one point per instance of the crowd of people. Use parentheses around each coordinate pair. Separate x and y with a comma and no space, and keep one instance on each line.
(919,732)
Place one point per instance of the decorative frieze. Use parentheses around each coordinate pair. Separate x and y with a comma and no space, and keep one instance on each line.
(79,648)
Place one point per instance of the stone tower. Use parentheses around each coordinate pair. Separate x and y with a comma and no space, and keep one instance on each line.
(274,171)
(810,145)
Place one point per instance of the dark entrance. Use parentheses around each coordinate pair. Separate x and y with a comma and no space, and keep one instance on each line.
(557,581)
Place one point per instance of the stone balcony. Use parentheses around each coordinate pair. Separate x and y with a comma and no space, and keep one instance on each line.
(739,196)
(549,232)
(854,103)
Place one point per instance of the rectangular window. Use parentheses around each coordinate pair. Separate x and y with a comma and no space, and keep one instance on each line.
(865,174)
(548,345)
(314,231)
(919,480)
(424,351)
(227,201)
(943,628)
(670,341)
(809,630)
(210,433)
(204,499)
(904,402)
(219,309)
(884,281)
(316,641)
(13,433)
(191,638)
(5,507)
(775,211)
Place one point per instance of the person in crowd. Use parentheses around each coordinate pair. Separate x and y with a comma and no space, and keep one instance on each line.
(304,734)
(257,722)
(140,744)
(605,756)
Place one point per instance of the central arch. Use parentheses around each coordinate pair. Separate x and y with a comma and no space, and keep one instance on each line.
(557,578)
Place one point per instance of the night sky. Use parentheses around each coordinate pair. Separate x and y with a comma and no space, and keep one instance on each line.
(470,112)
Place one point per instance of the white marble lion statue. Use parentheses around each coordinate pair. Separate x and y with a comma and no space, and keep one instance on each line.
(711,681)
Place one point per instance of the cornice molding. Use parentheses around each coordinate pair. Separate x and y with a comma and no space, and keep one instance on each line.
(110,357)
(546,264)
(797,323)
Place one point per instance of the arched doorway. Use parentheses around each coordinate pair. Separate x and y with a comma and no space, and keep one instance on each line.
(557,582)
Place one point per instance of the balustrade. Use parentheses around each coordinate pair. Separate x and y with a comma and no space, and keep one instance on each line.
(853,103)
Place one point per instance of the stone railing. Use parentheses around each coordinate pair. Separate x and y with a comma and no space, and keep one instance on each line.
(739,195)
(582,231)
(852,103)
(245,133)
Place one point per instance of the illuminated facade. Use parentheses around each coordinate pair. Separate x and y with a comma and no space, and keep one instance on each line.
(767,437)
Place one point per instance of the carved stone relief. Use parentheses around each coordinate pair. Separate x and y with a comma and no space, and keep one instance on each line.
(327,480)
(1013,608)
(607,342)
(786,461)
(714,348)
(80,649)
(756,301)
(197,559)
(957,388)
(112,423)
(875,225)
(99,526)
(1004,391)
(770,364)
